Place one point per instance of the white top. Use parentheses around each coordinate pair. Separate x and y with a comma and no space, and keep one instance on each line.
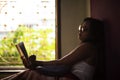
(83,71)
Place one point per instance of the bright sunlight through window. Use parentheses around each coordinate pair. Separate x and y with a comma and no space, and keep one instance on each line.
(30,21)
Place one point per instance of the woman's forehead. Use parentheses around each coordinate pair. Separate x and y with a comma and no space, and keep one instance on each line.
(85,25)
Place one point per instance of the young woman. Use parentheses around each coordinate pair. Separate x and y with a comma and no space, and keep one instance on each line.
(82,61)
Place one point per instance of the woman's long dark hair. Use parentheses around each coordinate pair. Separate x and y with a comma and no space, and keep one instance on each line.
(97,31)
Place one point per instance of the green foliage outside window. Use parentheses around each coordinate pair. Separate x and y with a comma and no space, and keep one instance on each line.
(40,42)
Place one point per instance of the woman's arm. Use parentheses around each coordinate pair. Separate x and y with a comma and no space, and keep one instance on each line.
(80,53)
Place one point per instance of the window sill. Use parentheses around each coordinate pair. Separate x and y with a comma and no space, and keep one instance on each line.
(11,69)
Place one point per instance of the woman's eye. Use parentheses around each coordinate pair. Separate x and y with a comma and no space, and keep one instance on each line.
(82,29)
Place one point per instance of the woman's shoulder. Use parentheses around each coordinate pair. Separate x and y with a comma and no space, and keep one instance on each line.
(87,44)
(88,47)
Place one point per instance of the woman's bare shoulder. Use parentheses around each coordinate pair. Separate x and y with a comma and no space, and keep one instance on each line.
(87,44)
(87,48)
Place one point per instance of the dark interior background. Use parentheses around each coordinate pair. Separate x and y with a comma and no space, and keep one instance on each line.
(109,12)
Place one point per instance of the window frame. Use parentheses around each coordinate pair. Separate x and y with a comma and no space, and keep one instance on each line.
(58,29)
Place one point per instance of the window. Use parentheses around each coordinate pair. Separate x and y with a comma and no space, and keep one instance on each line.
(30,21)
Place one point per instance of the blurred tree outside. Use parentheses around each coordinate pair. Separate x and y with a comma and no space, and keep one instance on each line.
(40,42)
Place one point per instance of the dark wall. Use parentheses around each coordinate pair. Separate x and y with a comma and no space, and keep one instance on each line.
(109,12)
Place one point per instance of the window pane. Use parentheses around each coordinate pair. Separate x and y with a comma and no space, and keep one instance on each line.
(30,21)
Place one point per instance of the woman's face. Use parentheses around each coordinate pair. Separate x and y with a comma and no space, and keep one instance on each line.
(84,31)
